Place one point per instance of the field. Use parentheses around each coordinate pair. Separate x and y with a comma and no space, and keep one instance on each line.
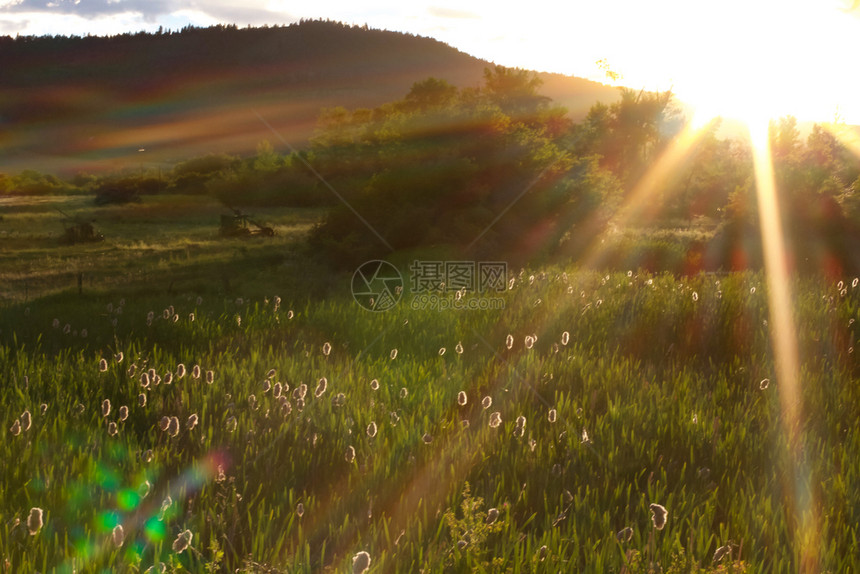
(203,404)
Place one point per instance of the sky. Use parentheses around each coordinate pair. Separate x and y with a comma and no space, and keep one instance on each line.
(738,58)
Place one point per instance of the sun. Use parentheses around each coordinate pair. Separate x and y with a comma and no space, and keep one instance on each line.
(768,60)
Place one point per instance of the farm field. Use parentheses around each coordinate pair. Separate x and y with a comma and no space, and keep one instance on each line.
(223,405)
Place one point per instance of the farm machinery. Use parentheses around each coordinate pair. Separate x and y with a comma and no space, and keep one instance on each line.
(242,225)
(76,230)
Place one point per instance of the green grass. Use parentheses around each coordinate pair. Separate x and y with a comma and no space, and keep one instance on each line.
(666,385)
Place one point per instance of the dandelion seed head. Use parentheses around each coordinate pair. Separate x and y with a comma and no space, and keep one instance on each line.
(695,296)
(552,416)
(182,542)
(404,392)
(625,534)
(163,423)
(529,341)
(659,515)
(147,457)
(168,378)
(105,407)
(326,348)
(349,455)
(462,399)
(118,535)
(360,562)
(371,429)
(764,384)
(141,399)
(195,371)
(56,324)
(112,430)
(210,377)
(123,413)
(509,341)
(393,354)
(180,370)
(487,402)
(565,338)
(300,509)
(144,380)
(722,552)
(103,365)
(35,520)
(15,429)
(427,438)
(441,351)
(394,418)
(43,408)
(322,384)
(374,384)
(191,422)
(26,420)
(231,424)
(276,390)
(271,374)
(542,552)
(459,348)
(495,419)
(492,515)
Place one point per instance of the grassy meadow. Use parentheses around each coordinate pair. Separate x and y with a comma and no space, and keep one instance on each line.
(223,405)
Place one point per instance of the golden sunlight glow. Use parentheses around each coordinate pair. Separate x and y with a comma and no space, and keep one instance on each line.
(784,340)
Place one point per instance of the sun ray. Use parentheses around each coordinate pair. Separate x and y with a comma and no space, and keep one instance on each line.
(784,340)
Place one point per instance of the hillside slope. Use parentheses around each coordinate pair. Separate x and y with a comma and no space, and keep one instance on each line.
(94,102)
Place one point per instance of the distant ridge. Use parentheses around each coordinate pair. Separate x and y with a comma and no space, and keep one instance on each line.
(95,103)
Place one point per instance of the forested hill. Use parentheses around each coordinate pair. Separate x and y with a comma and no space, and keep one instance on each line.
(94,102)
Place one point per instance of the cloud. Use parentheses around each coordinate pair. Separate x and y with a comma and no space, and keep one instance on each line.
(441,12)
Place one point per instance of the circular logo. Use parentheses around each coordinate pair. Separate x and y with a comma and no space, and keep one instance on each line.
(377,285)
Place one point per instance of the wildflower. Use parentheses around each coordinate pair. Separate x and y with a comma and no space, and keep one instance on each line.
(290,314)
(509,341)
(495,419)
(191,422)
(530,341)
(119,357)
(102,365)
(180,370)
(276,390)
(487,402)
(393,354)
(552,416)
(195,371)
(131,370)
(105,407)
(459,348)
(427,438)
(374,384)
(326,348)
(764,384)
(210,377)
(34,521)
(191,317)
(15,429)
(360,562)
(141,399)
(271,373)
(625,534)
(164,423)
(182,541)
(118,535)
(565,338)
(441,351)
(752,290)
(144,380)
(371,429)
(658,516)
(349,455)
(492,515)
(404,392)
(112,430)
(286,408)
(321,387)
(462,399)
(26,421)
(123,412)
(300,509)
(300,404)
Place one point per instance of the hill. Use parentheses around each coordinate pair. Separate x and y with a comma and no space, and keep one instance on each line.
(70,103)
